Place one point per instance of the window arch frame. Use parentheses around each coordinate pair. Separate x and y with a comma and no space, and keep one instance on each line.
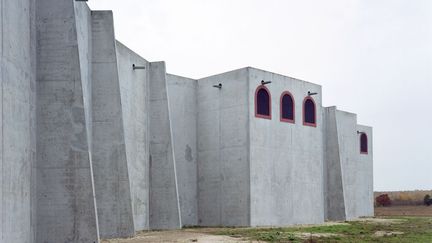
(304,112)
(269,116)
(282,119)
(363,134)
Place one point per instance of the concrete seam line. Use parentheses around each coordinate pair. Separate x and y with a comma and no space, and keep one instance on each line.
(2,142)
(172,151)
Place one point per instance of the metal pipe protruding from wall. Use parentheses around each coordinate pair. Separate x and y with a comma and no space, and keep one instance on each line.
(312,93)
(265,82)
(135,67)
(219,86)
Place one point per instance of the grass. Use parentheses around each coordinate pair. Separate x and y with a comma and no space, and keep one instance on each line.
(415,229)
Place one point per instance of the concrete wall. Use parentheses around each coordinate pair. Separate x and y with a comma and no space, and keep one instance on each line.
(134,90)
(109,151)
(183,113)
(17,120)
(286,162)
(66,210)
(164,200)
(223,169)
(167,151)
(349,178)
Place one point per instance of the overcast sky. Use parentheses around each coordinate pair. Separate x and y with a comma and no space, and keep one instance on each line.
(373,58)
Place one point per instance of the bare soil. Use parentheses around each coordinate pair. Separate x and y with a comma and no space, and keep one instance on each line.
(387,233)
(200,235)
(383,221)
(404,211)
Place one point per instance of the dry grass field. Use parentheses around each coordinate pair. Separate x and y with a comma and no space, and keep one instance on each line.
(405,197)
(418,210)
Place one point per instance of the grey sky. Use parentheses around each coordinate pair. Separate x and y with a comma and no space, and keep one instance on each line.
(372,57)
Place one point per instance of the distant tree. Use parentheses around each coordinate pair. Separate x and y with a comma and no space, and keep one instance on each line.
(427,200)
(383,200)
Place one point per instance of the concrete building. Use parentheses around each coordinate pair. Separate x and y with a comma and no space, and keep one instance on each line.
(97,142)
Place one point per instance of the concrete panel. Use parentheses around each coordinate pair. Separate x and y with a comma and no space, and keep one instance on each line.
(17,98)
(286,162)
(84,40)
(135,108)
(183,113)
(164,200)
(334,191)
(2,215)
(33,86)
(111,177)
(223,169)
(66,210)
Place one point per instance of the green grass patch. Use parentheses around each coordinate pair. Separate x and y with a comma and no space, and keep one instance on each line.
(414,229)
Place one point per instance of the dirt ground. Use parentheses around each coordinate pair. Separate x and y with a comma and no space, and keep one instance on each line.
(200,235)
(404,211)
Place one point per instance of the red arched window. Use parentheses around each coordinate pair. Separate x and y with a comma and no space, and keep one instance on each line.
(309,112)
(363,143)
(287,107)
(262,102)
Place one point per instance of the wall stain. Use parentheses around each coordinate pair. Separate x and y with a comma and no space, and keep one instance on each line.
(188,153)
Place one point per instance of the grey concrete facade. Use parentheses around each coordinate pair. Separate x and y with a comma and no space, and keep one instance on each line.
(285,159)
(97,142)
(223,168)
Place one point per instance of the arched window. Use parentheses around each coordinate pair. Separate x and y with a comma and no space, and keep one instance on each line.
(363,143)
(309,112)
(287,107)
(262,102)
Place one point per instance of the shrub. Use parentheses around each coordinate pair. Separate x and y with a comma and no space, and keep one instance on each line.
(427,200)
(383,200)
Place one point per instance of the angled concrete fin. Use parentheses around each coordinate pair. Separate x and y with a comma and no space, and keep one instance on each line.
(164,200)
(66,210)
(109,152)
(335,203)
(135,108)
